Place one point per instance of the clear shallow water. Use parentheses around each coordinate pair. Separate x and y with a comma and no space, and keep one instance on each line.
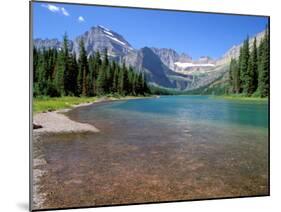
(169,148)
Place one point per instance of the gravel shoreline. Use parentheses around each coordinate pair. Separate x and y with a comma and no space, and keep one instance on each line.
(56,122)
(51,122)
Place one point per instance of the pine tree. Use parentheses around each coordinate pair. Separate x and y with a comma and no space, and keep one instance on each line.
(101,81)
(35,64)
(238,81)
(249,85)
(131,89)
(91,79)
(142,82)
(252,70)
(126,83)
(231,76)
(120,82)
(133,83)
(264,66)
(115,79)
(244,75)
(97,66)
(251,73)
(41,73)
(59,74)
(82,83)
(103,75)
(146,87)
(73,74)
(67,72)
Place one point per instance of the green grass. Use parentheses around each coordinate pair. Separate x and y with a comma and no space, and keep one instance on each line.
(44,104)
(241,97)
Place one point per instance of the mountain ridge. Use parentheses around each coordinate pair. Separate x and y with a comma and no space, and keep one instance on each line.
(164,67)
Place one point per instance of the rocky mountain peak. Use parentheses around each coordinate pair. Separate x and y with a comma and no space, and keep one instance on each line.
(99,38)
(184,58)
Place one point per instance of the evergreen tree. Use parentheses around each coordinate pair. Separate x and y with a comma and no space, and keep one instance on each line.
(67,72)
(249,85)
(82,84)
(238,81)
(91,78)
(57,73)
(264,67)
(236,77)
(73,74)
(115,79)
(96,69)
(244,75)
(35,64)
(252,70)
(231,76)
(101,81)
(126,83)
(256,76)
(120,82)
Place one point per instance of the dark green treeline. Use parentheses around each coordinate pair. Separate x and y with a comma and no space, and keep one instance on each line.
(250,73)
(58,73)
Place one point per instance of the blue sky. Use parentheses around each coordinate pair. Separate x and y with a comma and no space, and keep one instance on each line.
(197,34)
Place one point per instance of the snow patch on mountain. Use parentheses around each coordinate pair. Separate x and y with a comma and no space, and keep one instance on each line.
(115,39)
(106,29)
(187,65)
(109,33)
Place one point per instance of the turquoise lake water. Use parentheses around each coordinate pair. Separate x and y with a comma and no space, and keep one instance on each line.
(162,149)
(203,108)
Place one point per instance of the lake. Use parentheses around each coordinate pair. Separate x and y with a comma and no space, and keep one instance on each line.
(159,149)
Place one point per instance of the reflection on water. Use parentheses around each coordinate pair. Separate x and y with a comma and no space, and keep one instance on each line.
(172,148)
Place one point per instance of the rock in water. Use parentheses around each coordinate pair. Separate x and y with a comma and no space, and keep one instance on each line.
(36,126)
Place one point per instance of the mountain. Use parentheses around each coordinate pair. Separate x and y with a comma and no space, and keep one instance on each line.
(157,70)
(100,38)
(47,43)
(163,67)
(183,63)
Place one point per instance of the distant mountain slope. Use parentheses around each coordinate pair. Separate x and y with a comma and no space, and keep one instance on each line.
(47,43)
(164,67)
(157,69)
(233,52)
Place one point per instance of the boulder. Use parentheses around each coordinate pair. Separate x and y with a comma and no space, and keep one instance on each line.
(36,126)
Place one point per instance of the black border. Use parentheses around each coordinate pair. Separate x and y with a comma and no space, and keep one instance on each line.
(31,101)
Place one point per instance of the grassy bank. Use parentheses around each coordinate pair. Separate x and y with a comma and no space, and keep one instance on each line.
(44,104)
(241,97)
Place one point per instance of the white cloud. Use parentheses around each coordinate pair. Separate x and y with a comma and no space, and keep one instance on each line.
(56,9)
(81,19)
(51,7)
(64,11)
